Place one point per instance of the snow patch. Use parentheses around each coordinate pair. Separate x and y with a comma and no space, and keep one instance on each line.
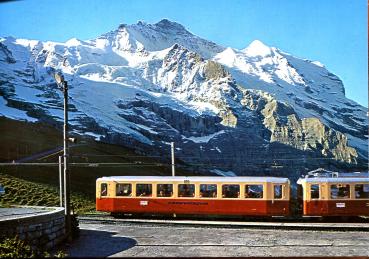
(27,43)
(317,63)
(146,128)
(203,107)
(96,136)
(257,48)
(73,42)
(29,94)
(204,139)
(13,113)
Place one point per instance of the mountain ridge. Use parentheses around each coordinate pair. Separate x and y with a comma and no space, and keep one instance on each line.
(150,84)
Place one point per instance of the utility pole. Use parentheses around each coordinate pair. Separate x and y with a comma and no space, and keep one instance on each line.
(64,87)
(66,172)
(60,181)
(173,162)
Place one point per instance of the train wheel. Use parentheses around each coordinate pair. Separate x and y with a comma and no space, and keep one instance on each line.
(117,215)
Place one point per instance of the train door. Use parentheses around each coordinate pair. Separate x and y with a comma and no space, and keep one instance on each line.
(102,195)
(314,199)
(299,203)
(324,198)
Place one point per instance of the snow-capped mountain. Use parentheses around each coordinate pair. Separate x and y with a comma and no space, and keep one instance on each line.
(255,110)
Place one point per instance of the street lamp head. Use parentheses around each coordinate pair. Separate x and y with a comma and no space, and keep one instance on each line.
(59,78)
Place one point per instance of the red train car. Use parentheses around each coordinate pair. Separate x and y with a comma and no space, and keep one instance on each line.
(336,194)
(258,196)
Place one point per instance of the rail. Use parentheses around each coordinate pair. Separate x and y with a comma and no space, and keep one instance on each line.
(277,223)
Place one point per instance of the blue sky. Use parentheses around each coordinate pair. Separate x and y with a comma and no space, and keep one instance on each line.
(333,32)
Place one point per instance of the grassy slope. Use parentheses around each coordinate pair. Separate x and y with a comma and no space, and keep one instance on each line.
(20,139)
(23,192)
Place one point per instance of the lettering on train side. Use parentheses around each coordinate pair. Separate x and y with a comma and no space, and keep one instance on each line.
(187,203)
(340,205)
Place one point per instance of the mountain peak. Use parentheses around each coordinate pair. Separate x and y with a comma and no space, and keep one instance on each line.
(141,23)
(257,48)
(169,25)
(159,36)
(73,42)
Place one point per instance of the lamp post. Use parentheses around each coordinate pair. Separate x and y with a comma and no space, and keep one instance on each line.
(173,160)
(63,85)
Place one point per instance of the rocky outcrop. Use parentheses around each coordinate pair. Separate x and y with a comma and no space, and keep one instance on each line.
(305,134)
(6,54)
(214,70)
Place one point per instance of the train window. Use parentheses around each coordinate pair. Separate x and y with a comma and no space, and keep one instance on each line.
(123,189)
(253,191)
(186,190)
(314,191)
(104,189)
(230,191)
(164,190)
(143,190)
(278,191)
(339,191)
(362,191)
(208,190)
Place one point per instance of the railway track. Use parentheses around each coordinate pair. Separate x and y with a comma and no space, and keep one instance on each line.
(284,224)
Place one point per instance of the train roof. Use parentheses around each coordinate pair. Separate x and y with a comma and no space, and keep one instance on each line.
(321,175)
(334,180)
(216,179)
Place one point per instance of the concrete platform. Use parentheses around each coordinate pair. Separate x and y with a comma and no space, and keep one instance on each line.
(237,224)
(140,240)
(22,212)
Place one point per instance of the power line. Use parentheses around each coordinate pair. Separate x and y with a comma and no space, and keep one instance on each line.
(79,164)
(139,163)
(123,156)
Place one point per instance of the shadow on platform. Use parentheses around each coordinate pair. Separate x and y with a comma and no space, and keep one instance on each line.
(94,243)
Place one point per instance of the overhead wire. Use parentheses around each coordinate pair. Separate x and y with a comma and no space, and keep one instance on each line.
(139,163)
